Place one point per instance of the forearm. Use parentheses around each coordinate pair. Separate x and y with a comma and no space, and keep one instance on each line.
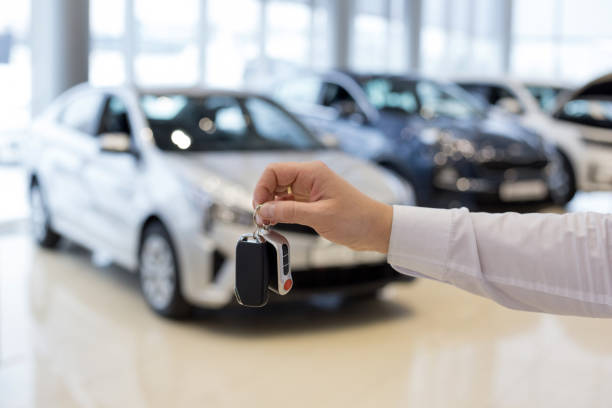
(539,262)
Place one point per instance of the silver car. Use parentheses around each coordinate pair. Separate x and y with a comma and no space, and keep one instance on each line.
(161,182)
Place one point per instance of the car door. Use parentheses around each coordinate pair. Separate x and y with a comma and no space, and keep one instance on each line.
(112,179)
(66,149)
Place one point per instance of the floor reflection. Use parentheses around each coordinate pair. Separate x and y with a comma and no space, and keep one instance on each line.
(75,334)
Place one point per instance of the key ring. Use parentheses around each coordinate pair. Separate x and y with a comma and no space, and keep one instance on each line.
(258,228)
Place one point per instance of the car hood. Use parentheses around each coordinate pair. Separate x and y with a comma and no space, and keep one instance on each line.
(501,133)
(231,176)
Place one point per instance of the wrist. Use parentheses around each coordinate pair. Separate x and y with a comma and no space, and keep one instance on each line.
(381,230)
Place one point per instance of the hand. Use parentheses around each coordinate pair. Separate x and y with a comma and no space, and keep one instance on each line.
(313,195)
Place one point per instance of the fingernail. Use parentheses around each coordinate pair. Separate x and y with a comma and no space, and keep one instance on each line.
(267,211)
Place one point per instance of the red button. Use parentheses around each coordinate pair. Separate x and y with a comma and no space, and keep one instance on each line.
(288,284)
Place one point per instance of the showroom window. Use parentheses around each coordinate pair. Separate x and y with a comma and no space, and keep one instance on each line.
(461,37)
(165,38)
(378,37)
(15,68)
(321,36)
(190,42)
(287,30)
(233,40)
(554,38)
(107,31)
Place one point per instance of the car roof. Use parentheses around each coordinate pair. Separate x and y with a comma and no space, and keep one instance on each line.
(189,91)
(362,76)
(196,91)
(492,81)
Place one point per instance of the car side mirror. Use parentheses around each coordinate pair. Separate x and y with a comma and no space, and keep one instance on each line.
(115,143)
(510,105)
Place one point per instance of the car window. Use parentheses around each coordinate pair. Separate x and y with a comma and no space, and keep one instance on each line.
(271,123)
(115,117)
(219,123)
(436,100)
(223,118)
(304,90)
(484,93)
(490,93)
(337,97)
(387,95)
(546,96)
(82,113)
(588,111)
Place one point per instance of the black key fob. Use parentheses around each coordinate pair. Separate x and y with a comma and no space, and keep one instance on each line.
(253,257)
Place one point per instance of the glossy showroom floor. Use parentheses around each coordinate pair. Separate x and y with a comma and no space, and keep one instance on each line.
(76,335)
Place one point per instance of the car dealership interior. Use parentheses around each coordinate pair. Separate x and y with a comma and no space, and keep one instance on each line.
(132,136)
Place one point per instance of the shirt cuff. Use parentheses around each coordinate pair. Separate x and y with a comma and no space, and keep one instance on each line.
(419,240)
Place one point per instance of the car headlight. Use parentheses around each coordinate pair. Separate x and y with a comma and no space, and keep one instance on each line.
(213,208)
(227,215)
(449,145)
(430,136)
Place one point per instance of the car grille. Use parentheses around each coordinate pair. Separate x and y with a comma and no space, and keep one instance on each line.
(498,175)
(504,165)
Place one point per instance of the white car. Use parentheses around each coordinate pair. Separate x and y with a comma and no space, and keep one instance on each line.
(161,182)
(532,103)
(588,112)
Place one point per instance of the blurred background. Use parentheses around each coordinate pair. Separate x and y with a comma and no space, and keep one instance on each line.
(74,330)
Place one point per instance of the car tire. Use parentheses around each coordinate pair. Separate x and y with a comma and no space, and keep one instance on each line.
(160,275)
(40,219)
(565,196)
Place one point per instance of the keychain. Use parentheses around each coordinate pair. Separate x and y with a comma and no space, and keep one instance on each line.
(262,263)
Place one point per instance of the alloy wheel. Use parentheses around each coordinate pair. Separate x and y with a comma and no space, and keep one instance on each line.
(38,217)
(158,271)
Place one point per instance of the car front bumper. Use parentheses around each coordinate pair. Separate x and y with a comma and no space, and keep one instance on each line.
(471,184)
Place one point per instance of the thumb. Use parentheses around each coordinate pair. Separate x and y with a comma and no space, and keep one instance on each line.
(292,212)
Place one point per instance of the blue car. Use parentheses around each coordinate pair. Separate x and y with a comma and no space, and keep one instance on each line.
(432,134)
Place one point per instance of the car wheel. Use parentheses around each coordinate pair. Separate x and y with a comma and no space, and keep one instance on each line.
(160,275)
(563,180)
(40,220)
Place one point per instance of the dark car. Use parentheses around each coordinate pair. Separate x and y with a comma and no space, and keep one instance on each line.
(431,133)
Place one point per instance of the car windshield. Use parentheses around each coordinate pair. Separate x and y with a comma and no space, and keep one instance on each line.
(546,96)
(221,122)
(426,98)
(591,110)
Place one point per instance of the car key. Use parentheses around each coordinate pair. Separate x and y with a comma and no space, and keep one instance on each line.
(280,273)
(262,263)
(253,257)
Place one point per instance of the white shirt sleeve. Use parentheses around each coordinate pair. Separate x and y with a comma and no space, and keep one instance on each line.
(539,262)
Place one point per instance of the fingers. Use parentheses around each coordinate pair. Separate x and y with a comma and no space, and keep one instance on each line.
(274,176)
(278,178)
(291,212)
